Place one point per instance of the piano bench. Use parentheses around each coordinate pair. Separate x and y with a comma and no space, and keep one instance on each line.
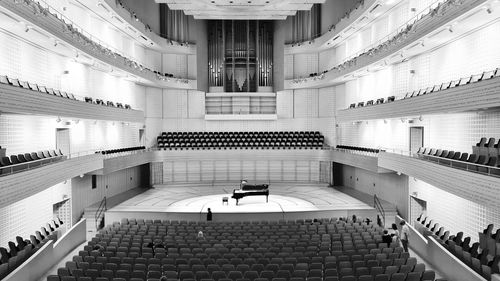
(225,200)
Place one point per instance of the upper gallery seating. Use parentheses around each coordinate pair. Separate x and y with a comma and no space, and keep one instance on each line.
(17,254)
(359,149)
(81,37)
(359,3)
(482,163)
(120,150)
(483,259)
(54,92)
(230,140)
(447,85)
(31,160)
(316,250)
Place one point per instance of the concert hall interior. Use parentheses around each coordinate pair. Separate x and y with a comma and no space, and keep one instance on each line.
(249,140)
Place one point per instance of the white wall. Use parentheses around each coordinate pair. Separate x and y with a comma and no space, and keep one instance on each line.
(471,54)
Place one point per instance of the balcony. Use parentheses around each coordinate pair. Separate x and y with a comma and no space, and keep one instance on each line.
(432,28)
(466,183)
(20,185)
(365,161)
(479,95)
(116,162)
(48,24)
(358,18)
(121,17)
(25,101)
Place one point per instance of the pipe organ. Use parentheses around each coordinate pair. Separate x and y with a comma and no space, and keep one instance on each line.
(240,55)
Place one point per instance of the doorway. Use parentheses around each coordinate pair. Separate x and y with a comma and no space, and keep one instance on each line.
(62,140)
(416,138)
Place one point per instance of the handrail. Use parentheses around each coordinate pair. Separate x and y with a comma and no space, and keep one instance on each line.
(100,210)
(379,207)
(416,19)
(452,163)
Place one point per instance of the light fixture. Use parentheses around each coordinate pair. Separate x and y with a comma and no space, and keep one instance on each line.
(56,43)
(421,118)
(450,29)
(58,119)
(28,28)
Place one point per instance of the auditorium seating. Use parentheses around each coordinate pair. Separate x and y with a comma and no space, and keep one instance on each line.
(240,140)
(444,86)
(17,254)
(120,150)
(479,256)
(484,164)
(359,149)
(286,250)
(42,89)
(21,162)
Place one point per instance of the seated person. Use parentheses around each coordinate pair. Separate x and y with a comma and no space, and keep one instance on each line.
(387,238)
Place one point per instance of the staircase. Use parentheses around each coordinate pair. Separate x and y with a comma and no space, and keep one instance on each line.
(389,210)
(95,218)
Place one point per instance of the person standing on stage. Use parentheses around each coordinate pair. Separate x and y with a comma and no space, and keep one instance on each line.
(209,215)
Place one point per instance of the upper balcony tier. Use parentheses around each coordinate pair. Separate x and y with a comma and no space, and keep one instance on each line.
(20,98)
(358,18)
(461,95)
(119,16)
(448,22)
(50,28)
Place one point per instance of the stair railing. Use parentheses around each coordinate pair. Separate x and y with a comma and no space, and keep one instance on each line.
(380,209)
(100,211)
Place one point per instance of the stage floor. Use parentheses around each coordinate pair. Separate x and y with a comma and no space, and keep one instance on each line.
(283,198)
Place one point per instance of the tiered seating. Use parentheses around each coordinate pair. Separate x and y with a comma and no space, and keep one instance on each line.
(17,254)
(31,160)
(359,149)
(436,88)
(477,255)
(473,162)
(246,140)
(258,251)
(54,92)
(120,150)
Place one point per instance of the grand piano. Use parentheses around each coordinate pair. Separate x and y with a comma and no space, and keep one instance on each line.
(251,190)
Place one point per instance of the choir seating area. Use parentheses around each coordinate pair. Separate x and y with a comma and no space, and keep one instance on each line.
(54,92)
(477,255)
(21,162)
(484,158)
(356,149)
(241,140)
(121,150)
(313,250)
(17,254)
(436,88)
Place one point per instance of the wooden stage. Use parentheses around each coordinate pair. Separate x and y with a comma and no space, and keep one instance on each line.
(286,201)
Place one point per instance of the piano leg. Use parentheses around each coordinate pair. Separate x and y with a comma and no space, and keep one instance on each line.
(237,201)
(267,198)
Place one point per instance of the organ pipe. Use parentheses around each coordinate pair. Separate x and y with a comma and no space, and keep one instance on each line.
(240,54)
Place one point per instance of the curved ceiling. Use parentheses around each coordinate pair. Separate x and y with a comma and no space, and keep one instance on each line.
(240,9)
